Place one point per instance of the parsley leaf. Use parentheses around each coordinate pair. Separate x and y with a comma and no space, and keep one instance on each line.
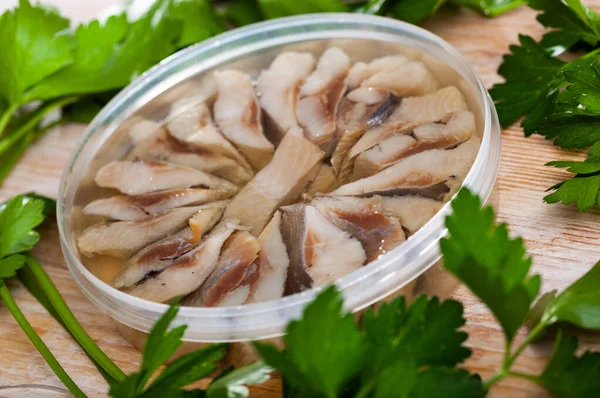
(455,383)
(233,384)
(161,345)
(199,21)
(491,8)
(10,265)
(573,21)
(17,220)
(579,304)
(242,12)
(484,257)
(34,47)
(413,12)
(308,362)
(282,8)
(569,376)
(532,82)
(108,56)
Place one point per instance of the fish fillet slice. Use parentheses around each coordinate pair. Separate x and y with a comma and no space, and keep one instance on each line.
(123,238)
(273,263)
(188,272)
(192,124)
(281,182)
(429,136)
(412,211)
(319,251)
(153,142)
(426,174)
(162,254)
(320,97)
(137,207)
(237,113)
(278,89)
(145,176)
(361,71)
(365,220)
(238,254)
(323,182)
(410,79)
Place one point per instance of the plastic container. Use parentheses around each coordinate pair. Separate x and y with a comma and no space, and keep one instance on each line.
(250,49)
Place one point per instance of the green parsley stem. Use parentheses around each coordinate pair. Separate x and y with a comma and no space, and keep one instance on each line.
(37,341)
(27,279)
(32,122)
(72,325)
(533,335)
(6,116)
(525,376)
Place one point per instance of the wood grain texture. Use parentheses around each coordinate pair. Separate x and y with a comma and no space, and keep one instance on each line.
(562,241)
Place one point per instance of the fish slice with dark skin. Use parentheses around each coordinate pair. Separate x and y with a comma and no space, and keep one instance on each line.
(189,271)
(137,207)
(354,119)
(272,264)
(281,182)
(237,256)
(278,88)
(438,107)
(365,220)
(320,96)
(398,146)
(152,142)
(145,176)
(123,238)
(433,174)
(191,123)
(319,251)
(237,113)
(407,80)
(162,254)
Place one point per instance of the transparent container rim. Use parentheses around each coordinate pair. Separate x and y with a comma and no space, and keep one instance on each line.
(432,231)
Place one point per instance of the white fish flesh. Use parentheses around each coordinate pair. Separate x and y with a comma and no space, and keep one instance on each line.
(123,238)
(319,251)
(412,211)
(188,272)
(320,97)
(137,207)
(278,89)
(145,176)
(152,142)
(162,254)
(237,113)
(281,182)
(238,254)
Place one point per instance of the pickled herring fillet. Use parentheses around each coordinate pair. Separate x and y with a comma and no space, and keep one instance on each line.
(323,182)
(427,174)
(409,79)
(272,264)
(189,271)
(137,207)
(237,113)
(365,220)
(191,123)
(438,107)
(354,121)
(361,71)
(319,251)
(238,254)
(412,211)
(278,89)
(281,182)
(162,254)
(153,142)
(145,176)
(123,238)
(429,136)
(320,97)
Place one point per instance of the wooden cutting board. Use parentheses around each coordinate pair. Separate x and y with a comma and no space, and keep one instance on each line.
(563,242)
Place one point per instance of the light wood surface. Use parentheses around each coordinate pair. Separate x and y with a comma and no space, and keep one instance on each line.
(563,242)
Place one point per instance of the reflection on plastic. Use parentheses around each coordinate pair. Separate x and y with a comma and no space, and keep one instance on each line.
(33,391)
